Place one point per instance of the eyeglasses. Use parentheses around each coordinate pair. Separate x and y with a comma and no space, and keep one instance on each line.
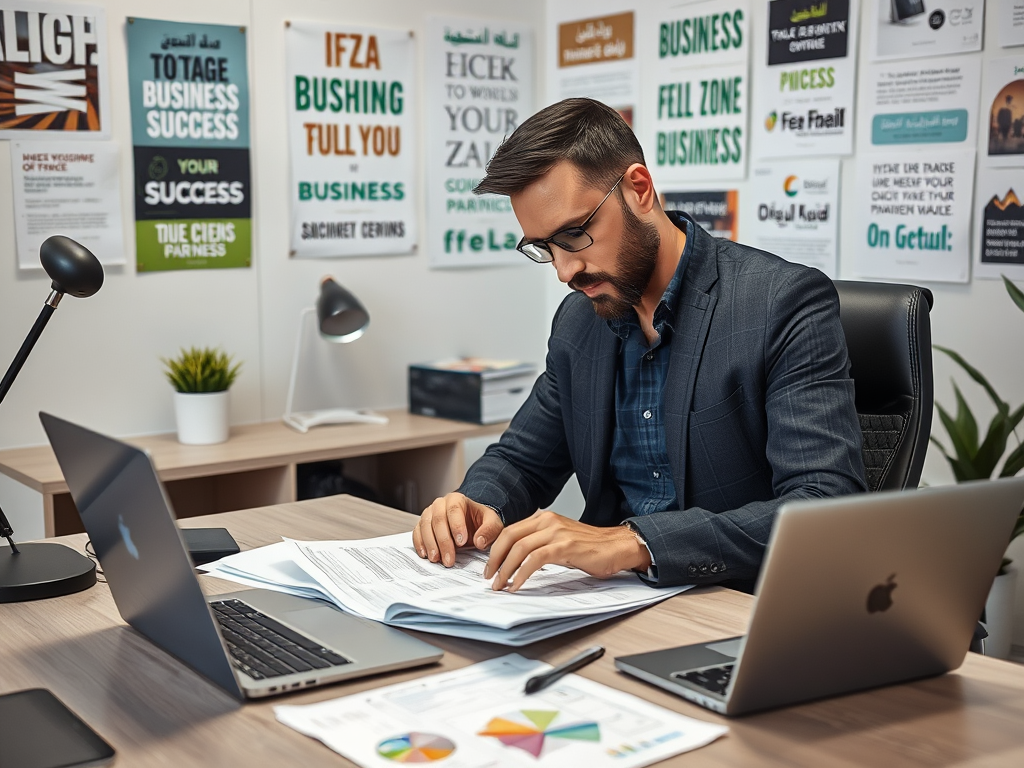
(571,239)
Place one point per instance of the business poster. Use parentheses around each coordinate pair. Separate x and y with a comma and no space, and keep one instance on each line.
(479,77)
(53,70)
(695,99)
(1002,105)
(1011,22)
(914,215)
(352,139)
(189,93)
(925,101)
(999,223)
(806,69)
(905,29)
(796,205)
(595,54)
(716,211)
(69,188)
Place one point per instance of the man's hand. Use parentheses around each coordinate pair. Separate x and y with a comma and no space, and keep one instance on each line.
(452,522)
(547,537)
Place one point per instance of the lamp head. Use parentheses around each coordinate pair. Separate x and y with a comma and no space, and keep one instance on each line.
(340,316)
(71,266)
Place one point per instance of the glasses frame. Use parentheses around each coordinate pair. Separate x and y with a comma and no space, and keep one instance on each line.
(544,253)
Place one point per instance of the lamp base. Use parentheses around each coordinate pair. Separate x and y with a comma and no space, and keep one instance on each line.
(302,422)
(43,570)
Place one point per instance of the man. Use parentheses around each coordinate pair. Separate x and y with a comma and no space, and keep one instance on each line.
(692,384)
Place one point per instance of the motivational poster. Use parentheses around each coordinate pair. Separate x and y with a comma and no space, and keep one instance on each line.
(696,94)
(914,215)
(1002,108)
(1011,22)
(351,139)
(188,88)
(479,89)
(53,70)
(806,68)
(999,223)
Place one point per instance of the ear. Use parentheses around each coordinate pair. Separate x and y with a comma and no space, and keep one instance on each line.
(638,188)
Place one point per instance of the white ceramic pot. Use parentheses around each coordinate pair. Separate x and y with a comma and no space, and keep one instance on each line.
(202,417)
(999,614)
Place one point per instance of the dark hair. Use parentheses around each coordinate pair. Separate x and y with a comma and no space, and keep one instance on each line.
(590,135)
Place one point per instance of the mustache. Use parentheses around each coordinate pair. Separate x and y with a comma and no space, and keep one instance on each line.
(586,279)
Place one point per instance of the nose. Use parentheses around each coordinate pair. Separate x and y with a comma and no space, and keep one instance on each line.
(567,265)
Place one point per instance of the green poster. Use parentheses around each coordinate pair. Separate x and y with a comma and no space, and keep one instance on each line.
(189,93)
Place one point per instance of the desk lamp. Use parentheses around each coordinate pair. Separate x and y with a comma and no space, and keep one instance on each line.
(340,319)
(36,570)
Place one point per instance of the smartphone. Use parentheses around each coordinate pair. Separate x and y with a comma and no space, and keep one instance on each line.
(38,731)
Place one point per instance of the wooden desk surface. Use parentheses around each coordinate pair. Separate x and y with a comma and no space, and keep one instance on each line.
(156,712)
(257,446)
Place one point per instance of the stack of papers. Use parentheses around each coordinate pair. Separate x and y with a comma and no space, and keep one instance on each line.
(479,717)
(385,580)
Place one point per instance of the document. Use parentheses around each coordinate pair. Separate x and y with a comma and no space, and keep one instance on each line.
(385,580)
(479,717)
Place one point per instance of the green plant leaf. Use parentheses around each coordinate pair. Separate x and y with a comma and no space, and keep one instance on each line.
(1014,462)
(975,374)
(1015,293)
(200,370)
(992,447)
(962,463)
(965,424)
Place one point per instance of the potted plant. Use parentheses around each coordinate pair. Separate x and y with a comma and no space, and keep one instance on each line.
(976,458)
(201,379)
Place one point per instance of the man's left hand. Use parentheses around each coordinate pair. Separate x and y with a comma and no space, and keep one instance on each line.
(546,537)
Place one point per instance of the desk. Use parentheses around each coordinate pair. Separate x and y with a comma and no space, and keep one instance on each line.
(410,461)
(156,712)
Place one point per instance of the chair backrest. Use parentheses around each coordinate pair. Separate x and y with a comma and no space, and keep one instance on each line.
(888,333)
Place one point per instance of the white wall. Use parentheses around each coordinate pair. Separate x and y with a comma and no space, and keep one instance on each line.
(98,361)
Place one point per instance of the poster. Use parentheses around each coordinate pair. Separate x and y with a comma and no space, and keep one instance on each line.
(795,205)
(70,188)
(352,139)
(914,215)
(695,99)
(53,70)
(479,77)
(806,69)
(716,211)
(189,94)
(1011,22)
(926,101)
(999,223)
(1002,106)
(595,55)
(905,29)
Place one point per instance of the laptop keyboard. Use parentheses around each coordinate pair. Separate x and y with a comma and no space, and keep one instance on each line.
(262,647)
(714,679)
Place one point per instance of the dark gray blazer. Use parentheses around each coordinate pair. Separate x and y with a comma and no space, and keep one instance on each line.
(758,409)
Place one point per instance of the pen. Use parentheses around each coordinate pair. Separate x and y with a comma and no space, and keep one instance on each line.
(539,682)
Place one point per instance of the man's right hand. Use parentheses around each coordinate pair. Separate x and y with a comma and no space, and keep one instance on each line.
(452,522)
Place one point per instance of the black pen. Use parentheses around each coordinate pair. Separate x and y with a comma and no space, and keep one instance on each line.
(542,681)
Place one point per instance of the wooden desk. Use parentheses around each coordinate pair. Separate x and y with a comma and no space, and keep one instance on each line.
(156,712)
(410,462)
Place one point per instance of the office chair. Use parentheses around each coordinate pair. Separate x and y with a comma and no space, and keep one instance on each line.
(888,333)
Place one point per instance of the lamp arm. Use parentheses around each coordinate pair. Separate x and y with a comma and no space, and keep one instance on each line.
(30,341)
(295,360)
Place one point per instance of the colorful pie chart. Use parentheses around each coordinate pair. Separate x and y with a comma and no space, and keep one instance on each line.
(416,747)
(539,731)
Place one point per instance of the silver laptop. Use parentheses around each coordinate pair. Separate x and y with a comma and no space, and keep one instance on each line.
(855,592)
(252,643)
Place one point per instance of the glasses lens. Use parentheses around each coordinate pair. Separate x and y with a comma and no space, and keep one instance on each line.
(572,240)
(539,252)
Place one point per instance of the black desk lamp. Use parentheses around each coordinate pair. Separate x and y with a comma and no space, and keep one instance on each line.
(37,570)
(340,319)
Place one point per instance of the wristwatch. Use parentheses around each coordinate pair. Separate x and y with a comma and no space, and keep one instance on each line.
(652,572)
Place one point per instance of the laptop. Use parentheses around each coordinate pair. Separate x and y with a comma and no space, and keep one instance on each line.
(855,592)
(252,643)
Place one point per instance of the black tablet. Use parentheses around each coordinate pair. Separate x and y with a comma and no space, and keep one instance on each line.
(38,731)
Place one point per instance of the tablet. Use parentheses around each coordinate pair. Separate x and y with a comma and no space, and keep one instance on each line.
(38,731)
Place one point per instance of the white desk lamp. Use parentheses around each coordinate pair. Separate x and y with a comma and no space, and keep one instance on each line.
(340,319)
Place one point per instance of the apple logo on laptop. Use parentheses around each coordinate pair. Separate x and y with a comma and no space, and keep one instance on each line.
(127,536)
(880,598)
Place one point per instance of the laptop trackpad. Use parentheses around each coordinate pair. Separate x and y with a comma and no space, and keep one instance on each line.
(727,647)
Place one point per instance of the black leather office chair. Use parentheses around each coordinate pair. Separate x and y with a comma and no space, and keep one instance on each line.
(888,332)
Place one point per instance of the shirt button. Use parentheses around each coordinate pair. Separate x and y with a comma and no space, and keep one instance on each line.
(649,356)
(656,474)
(692,570)
(648,414)
(714,567)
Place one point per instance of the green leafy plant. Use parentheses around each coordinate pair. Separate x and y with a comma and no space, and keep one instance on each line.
(200,370)
(973,457)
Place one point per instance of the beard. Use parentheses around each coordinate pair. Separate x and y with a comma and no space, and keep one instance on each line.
(635,262)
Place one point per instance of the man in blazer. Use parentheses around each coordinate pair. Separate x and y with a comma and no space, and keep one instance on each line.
(692,384)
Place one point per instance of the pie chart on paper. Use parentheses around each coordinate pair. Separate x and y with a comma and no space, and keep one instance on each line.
(539,732)
(416,747)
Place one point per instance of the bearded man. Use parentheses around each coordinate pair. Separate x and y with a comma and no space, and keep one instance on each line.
(692,384)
